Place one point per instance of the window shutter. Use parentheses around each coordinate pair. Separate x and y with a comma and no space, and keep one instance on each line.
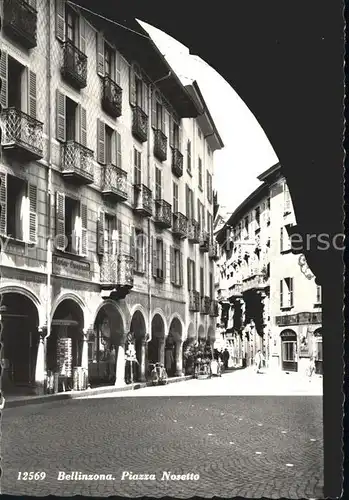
(118,149)
(180,136)
(172,264)
(82,35)
(118,68)
(60,221)
(83,126)
(115,236)
(194,274)
(100,53)
(83,241)
(100,141)
(31,86)
(199,214)
(3,203)
(188,274)
(145,98)
(281,294)
(155,257)
(187,201)
(163,260)
(133,242)
(4,79)
(32,194)
(60,19)
(60,118)
(163,119)
(180,269)
(281,239)
(171,132)
(153,110)
(100,232)
(291,292)
(132,90)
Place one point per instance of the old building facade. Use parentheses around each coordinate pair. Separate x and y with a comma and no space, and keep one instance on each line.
(106,200)
(268,297)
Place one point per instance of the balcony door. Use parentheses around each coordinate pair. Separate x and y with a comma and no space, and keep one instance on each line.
(110,235)
(71,26)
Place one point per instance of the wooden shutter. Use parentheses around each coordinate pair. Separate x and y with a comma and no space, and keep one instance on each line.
(3,203)
(4,79)
(153,109)
(188,274)
(133,242)
(199,213)
(180,136)
(163,119)
(194,274)
(32,194)
(82,35)
(100,141)
(291,290)
(83,241)
(60,221)
(100,53)
(83,125)
(187,201)
(118,68)
(60,116)
(171,136)
(100,231)
(163,260)
(155,256)
(60,20)
(31,86)
(145,98)
(172,264)
(132,89)
(281,294)
(118,149)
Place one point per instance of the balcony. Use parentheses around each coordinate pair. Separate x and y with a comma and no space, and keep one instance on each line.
(213,251)
(19,22)
(256,281)
(116,273)
(204,241)
(77,163)
(193,231)
(222,295)
(139,124)
(180,225)
(205,305)
(74,66)
(235,291)
(214,309)
(143,200)
(163,214)
(177,162)
(111,97)
(114,184)
(22,134)
(194,301)
(160,145)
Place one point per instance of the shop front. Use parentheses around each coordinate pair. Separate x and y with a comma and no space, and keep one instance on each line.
(289,352)
(318,351)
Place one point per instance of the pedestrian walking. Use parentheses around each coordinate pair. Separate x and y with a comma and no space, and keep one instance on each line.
(258,361)
(226,357)
(311,368)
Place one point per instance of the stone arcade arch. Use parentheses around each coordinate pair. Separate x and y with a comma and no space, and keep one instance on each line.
(21,339)
(138,328)
(201,334)
(156,351)
(173,348)
(187,348)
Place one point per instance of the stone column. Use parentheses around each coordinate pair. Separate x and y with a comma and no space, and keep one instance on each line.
(143,360)
(161,354)
(120,366)
(179,358)
(40,371)
(84,353)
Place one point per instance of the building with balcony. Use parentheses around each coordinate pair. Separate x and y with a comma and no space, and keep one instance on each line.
(106,168)
(268,297)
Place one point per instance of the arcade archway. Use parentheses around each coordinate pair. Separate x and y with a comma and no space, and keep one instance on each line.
(188,362)
(156,351)
(201,335)
(138,331)
(20,338)
(173,349)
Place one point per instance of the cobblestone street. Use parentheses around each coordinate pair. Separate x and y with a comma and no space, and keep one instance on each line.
(248,446)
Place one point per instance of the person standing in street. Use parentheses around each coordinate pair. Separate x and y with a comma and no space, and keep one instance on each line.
(258,361)
(226,357)
(311,368)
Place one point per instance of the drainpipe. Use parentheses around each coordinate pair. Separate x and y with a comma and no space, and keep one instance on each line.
(149,225)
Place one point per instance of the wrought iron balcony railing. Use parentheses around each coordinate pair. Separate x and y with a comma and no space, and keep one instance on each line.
(114,183)
(205,305)
(160,145)
(177,162)
(143,200)
(111,97)
(256,281)
(193,231)
(180,225)
(116,271)
(74,65)
(214,309)
(194,301)
(213,251)
(140,124)
(20,22)
(235,291)
(21,133)
(163,213)
(204,241)
(77,163)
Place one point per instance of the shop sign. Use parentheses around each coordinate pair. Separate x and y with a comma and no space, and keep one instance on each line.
(69,267)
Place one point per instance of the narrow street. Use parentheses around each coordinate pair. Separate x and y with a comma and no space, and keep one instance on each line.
(248,446)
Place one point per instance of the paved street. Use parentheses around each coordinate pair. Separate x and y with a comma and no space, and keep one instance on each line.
(248,446)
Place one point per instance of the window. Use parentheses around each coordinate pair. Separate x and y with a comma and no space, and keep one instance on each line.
(158,184)
(137,172)
(71,225)
(211,286)
(268,204)
(209,224)
(175,135)
(15,92)
(159,259)
(18,208)
(159,117)
(71,120)
(202,283)
(140,253)
(258,217)
(199,132)
(110,235)
(191,277)
(246,227)
(189,157)
(158,113)
(71,25)
(287,200)
(175,198)
(108,145)
(176,267)
(200,173)
(318,294)
(208,150)
(189,203)
(209,186)
(286,293)
(289,351)
(109,61)
(285,243)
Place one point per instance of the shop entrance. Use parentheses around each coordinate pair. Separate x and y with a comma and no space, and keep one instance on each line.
(289,351)
(318,351)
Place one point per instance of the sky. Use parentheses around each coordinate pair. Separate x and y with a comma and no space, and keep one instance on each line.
(247,151)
